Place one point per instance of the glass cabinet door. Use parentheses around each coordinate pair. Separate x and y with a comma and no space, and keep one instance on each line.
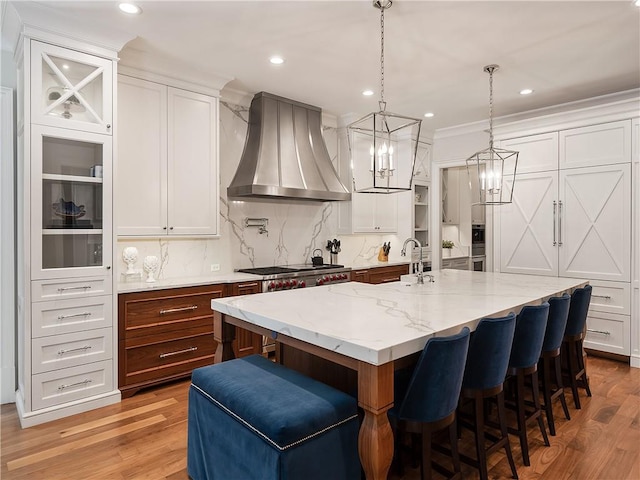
(70,89)
(70,203)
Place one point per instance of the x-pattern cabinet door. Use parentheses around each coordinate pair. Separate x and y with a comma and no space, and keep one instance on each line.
(528,231)
(595,222)
(70,89)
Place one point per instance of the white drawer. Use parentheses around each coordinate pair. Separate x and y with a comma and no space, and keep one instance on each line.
(71,315)
(70,288)
(608,332)
(70,384)
(456,263)
(611,297)
(71,349)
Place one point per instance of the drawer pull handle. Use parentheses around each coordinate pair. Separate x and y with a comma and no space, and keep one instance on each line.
(606,297)
(181,309)
(85,348)
(171,354)
(246,285)
(77,384)
(82,287)
(83,314)
(602,332)
(387,280)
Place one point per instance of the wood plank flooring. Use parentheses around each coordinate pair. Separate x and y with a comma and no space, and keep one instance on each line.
(144,437)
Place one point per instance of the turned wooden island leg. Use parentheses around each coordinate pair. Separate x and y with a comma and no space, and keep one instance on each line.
(224,333)
(375,396)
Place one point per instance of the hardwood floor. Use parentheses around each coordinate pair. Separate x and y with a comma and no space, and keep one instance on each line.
(144,437)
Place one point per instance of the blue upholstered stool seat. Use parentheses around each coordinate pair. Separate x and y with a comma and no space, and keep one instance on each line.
(253,419)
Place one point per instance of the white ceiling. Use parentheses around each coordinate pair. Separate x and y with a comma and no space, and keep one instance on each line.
(435,51)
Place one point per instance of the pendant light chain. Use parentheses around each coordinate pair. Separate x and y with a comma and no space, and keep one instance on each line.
(382,103)
(491,69)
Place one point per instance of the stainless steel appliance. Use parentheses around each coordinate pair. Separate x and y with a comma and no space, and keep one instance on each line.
(477,263)
(299,276)
(477,240)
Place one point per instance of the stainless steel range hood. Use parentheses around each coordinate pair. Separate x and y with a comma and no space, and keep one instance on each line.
(285,155)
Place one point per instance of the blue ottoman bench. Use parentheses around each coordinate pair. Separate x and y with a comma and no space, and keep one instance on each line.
(253,419)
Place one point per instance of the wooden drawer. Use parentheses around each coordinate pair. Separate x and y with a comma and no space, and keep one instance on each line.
(387,274)
(42,290)
(608,332)
(611,297)
(71,349)
(168,308)
(71,315)
(171,359)
(70,384)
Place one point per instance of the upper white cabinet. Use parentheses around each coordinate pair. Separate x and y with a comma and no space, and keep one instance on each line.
(536,153)
(70,89)
(602,144)
(374,213)
(422,167)
(451,196)
(168,178)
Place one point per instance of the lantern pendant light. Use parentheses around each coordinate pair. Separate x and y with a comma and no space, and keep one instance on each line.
(383,145)
(493,168)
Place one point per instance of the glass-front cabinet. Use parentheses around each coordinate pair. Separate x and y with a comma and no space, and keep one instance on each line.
(71,203)
(70,89)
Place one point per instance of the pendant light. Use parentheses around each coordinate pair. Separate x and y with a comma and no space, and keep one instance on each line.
(493,167)
(383,145)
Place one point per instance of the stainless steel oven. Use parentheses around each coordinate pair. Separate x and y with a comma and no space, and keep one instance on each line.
(477,240)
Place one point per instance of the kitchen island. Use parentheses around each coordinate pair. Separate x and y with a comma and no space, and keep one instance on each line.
(368,327)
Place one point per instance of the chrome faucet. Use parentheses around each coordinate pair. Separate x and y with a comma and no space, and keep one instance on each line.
(403,253)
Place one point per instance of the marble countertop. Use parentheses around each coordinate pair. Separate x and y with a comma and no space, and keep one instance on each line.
(380,323)
(125,287)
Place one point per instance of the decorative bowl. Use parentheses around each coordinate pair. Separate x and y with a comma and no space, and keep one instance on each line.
(68,209)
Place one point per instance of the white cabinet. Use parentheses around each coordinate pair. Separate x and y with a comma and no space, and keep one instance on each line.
(451,196)
(65,229)
(70,89)
(374,213)
(422,167)
(168,178)
(574,220)
(71,233)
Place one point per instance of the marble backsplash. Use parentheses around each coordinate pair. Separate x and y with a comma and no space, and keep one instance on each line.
(295,228)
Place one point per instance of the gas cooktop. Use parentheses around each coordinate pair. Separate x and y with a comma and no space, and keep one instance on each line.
(278,270)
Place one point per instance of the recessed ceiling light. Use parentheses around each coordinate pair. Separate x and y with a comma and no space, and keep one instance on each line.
(129,8)
(526,91)
(367,93)
(276,60)
(637,2)
(428,114)
(65,66)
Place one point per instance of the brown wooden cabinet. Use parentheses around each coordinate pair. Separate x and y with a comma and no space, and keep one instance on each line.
(382,274)
(164,334)
(246,343)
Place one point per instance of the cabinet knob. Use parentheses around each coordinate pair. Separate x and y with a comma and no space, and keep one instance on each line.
(108,267)
(108,126)
(170,228)
(164,228)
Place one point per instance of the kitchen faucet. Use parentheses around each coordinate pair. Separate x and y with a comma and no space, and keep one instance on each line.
(403,253)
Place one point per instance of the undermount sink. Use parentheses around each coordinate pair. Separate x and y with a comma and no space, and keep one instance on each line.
(412,278)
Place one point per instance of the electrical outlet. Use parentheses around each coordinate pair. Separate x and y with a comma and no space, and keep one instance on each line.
(215,267)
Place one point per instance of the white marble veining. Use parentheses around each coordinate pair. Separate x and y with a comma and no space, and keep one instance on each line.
(295,228)
(380,323)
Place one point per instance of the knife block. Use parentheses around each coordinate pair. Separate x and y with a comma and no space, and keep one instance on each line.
(382,257)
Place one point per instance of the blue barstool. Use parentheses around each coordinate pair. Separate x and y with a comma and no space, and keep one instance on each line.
(549,363)
(427,396)
(572,342)
(484,375)
(523,362)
